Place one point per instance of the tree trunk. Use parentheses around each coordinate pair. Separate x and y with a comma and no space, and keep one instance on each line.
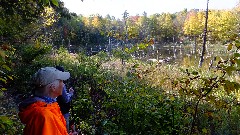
(195,45)
(204,38)
(125,15)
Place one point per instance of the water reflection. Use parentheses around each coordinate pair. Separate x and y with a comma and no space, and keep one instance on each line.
(168,53)
(176,54)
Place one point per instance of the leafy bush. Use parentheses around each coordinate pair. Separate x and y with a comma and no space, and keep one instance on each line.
(146,99)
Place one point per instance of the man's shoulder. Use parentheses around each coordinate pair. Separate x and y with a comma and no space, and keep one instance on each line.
(45,109)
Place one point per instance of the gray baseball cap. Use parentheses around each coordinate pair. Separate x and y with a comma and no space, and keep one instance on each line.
(47,75)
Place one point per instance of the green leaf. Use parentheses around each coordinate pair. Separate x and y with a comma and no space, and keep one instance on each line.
(236,55)
(6,67)
(55,2)
(5,119)
(230,69)
(195,73)
(3,127)
(45,2)
(172,98)
(136,65)
(229,86)
(3,80)
(237,44)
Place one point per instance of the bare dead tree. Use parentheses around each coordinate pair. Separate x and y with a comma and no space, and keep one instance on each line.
(125,17)
(204,38)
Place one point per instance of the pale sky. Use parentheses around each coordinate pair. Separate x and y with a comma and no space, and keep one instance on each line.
(117,7)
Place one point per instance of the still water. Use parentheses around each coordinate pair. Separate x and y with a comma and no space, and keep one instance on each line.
(178,54)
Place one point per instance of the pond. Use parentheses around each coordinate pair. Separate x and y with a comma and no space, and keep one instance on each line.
(171,53)
(179,53)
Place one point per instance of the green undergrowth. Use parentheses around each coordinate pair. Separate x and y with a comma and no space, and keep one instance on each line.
(140,98)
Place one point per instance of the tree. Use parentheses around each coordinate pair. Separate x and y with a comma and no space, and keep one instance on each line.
(17,16)
(178,22)
(154,27)
(204,38)
(167,27)
(193,26)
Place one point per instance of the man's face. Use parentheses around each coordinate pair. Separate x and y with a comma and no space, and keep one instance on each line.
(59,88)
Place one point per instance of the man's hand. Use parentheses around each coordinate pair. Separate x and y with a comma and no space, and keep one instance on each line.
(71,90)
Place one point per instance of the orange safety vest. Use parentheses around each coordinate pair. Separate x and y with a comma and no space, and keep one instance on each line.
(43,119)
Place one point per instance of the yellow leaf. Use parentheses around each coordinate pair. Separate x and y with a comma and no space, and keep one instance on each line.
(172,98)
(189,109)
(10,77)
(3,89)
(230,47)
(204,130)
(2,54)
(209,114)
(37,45)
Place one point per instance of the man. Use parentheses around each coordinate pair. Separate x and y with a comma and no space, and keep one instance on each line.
(41,113)
(64,100)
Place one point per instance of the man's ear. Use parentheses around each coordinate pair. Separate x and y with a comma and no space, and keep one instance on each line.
(52,87)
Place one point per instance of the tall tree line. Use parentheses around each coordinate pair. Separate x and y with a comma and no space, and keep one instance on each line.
(23,22)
